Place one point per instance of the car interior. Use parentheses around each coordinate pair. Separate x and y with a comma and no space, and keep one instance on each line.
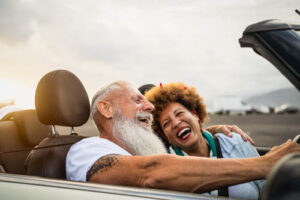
(19,131)
(30,144)
(29,138)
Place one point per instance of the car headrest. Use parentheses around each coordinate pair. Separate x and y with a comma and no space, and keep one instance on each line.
(61,99)
(283,182)
(30,128)
(144,88)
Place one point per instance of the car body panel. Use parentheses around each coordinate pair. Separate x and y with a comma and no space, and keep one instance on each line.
(279,43)
(62,189)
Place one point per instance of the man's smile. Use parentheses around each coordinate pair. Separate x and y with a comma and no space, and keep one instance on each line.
(144,119)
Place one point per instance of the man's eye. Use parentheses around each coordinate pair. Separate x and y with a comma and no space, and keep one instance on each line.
(137,100)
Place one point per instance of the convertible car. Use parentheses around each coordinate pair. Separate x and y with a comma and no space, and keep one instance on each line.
(32,153)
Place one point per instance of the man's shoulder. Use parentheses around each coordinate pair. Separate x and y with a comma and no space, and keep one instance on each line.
(83,154)
(93,143)
(92,140)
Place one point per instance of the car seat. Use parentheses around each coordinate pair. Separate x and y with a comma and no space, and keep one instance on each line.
(283,182)
(19,131)
(60,100)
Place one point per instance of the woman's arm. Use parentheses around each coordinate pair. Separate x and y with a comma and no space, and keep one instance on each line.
(227,129)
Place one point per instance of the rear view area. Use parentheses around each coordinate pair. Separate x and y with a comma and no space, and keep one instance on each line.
(19,131)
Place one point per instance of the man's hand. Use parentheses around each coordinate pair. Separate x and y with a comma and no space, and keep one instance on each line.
(277,152)
(227,129)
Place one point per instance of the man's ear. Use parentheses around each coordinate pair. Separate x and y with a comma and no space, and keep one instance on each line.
(105,109)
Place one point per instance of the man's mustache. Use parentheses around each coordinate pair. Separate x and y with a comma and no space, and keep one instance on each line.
(144,116)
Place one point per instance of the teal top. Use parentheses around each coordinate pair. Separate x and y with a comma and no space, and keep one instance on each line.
(210,142)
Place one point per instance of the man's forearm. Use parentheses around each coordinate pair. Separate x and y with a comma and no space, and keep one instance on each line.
(189,174)
(203,174)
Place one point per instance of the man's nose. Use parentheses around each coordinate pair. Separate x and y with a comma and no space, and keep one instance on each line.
(147,106)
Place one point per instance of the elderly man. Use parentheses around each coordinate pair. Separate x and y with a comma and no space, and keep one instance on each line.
(123,118)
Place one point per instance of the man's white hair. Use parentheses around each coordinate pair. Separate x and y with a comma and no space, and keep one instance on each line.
(103,93)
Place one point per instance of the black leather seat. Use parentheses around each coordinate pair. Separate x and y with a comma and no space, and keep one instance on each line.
(18,131)
(283,182)
(60,100)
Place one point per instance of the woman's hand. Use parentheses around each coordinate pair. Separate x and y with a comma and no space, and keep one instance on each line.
(227,130)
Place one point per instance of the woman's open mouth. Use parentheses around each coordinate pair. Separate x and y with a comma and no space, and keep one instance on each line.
(184,133)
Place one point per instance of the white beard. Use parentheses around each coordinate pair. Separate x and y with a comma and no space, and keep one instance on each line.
(137,139)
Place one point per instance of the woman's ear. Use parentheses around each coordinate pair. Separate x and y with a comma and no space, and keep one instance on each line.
(105,109)
(195,113)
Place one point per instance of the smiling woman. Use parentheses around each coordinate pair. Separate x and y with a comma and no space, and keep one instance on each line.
(178,118)
(23,96)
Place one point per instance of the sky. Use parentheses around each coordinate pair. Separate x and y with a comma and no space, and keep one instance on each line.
(142,41)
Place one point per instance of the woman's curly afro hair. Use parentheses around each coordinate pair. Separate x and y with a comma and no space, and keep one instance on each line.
(161,96)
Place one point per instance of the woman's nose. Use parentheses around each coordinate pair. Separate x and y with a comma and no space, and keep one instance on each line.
(175,122)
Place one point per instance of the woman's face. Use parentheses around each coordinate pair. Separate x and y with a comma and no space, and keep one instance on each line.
(180,126)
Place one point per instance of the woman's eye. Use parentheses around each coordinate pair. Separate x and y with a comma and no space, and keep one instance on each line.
(179,113)
(165,124)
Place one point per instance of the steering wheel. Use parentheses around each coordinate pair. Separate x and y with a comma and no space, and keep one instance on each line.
(297,139)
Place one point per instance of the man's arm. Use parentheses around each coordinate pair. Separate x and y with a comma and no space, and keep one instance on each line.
(188,174)
(102,164)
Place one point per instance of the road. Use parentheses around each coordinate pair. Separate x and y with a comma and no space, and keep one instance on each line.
(266,130)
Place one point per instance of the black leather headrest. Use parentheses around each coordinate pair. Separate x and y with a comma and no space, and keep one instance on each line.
(61,99)
(30,128)
(144,88)
(284,179)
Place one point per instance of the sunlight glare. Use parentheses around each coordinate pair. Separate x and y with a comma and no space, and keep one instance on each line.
(21,94)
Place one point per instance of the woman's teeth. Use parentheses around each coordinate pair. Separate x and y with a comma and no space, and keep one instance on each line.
(183,132)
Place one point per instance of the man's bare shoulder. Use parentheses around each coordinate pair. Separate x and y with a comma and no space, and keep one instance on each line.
(103,164)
